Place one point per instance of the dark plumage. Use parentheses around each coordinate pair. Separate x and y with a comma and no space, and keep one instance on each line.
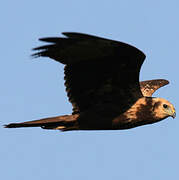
(102,83)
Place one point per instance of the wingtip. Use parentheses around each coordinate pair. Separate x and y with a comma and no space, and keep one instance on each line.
(51,39)
(69,34)
(165,81)
(35,55)
(78,35)
(64,33)
(42,39)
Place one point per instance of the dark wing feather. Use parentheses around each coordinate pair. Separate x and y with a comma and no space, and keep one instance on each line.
(97,71)
(150,86)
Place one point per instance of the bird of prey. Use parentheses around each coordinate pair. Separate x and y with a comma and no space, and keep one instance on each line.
(102,83)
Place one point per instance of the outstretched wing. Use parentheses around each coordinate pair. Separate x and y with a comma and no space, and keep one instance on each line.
(150,86)
(98,71)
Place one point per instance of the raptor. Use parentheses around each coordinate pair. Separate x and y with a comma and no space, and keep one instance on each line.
(102,83)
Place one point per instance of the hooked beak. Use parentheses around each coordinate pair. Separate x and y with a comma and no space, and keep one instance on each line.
(173,115)
(171,112)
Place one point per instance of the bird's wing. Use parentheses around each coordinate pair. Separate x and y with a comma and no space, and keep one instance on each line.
(150,86)
(97,70)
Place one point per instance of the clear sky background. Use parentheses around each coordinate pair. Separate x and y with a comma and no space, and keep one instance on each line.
(33,89)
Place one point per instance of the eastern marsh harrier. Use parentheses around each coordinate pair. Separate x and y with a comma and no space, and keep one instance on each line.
(102,83)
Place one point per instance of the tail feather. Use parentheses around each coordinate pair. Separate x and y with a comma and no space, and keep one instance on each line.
(60,122)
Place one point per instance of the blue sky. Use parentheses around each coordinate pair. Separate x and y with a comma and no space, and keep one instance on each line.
(33,89)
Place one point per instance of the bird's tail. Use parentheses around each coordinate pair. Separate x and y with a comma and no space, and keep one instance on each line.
(64,123)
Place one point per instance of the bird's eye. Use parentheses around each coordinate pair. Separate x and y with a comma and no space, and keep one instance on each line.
(165,106)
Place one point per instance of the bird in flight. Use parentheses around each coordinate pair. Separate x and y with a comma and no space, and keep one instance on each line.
(102,84)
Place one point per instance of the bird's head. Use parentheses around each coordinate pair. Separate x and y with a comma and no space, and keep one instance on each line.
(163,108)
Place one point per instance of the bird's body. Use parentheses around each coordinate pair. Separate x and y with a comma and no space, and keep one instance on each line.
(102,83)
